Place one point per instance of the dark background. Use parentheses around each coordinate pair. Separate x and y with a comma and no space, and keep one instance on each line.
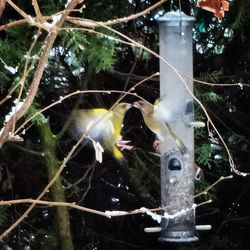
(221,55)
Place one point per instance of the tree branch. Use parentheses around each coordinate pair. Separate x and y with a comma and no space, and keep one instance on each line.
(37,10)
(66,159)
(20,11)
(94,24)
(2,6)
(6,134)
(84,22)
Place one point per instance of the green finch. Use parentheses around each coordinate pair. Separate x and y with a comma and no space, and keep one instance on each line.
(106,128)
(155,121)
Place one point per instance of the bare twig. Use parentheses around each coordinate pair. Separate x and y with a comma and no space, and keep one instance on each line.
(204,203)
(4,136)
(89,185)
(33,152)
(39,21)
(230,158)
(26,71)
(227,218)
(83,177)
(63,165)
(2,6)
(82,92)
(14,23)
(87,23)
(73,205)
(222,178)
(108,214)
(49,41)
(20,11)
(37,11)
(25,75)
(92,24)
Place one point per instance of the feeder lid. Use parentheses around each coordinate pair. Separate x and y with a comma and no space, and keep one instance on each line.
(173,18)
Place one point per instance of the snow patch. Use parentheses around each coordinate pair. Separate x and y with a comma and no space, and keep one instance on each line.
(109,214)
(14,109)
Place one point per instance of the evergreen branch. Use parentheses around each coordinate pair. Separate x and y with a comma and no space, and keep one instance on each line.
(195,80)
(85,22)
(85,209)
(184,79)
(63,165)
(99,34)
(92,24)
(25,74)
(6,134)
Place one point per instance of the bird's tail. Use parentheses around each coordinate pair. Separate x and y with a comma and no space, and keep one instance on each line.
(181,146)
(183,149)
(117,154)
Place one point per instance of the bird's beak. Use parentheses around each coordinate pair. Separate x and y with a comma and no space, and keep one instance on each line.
(136,105)
(129,105)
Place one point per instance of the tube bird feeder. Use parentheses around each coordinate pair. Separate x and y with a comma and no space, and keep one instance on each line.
(177,170)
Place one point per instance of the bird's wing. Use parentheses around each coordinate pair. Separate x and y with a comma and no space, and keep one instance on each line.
(179,143)
(97,121)
(166,130)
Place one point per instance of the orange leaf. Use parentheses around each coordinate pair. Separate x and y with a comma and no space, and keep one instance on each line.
(216,6)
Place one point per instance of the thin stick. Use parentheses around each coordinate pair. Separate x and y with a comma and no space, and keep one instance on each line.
(85,209)
(29,99)
(92,24)
(25,75)
(37,11)
(49,41)
(230,158)
(63,165)
(77,93)
(20,11)
(222,178)
(2,6)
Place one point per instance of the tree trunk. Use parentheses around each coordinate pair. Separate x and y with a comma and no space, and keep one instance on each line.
(62,222)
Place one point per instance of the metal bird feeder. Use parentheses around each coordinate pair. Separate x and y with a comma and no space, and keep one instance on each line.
(177,170)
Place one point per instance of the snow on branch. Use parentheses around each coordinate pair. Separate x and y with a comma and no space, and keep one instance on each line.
(49,41)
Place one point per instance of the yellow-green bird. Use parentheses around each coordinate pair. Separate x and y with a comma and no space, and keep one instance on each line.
(156,123)
(106,128)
